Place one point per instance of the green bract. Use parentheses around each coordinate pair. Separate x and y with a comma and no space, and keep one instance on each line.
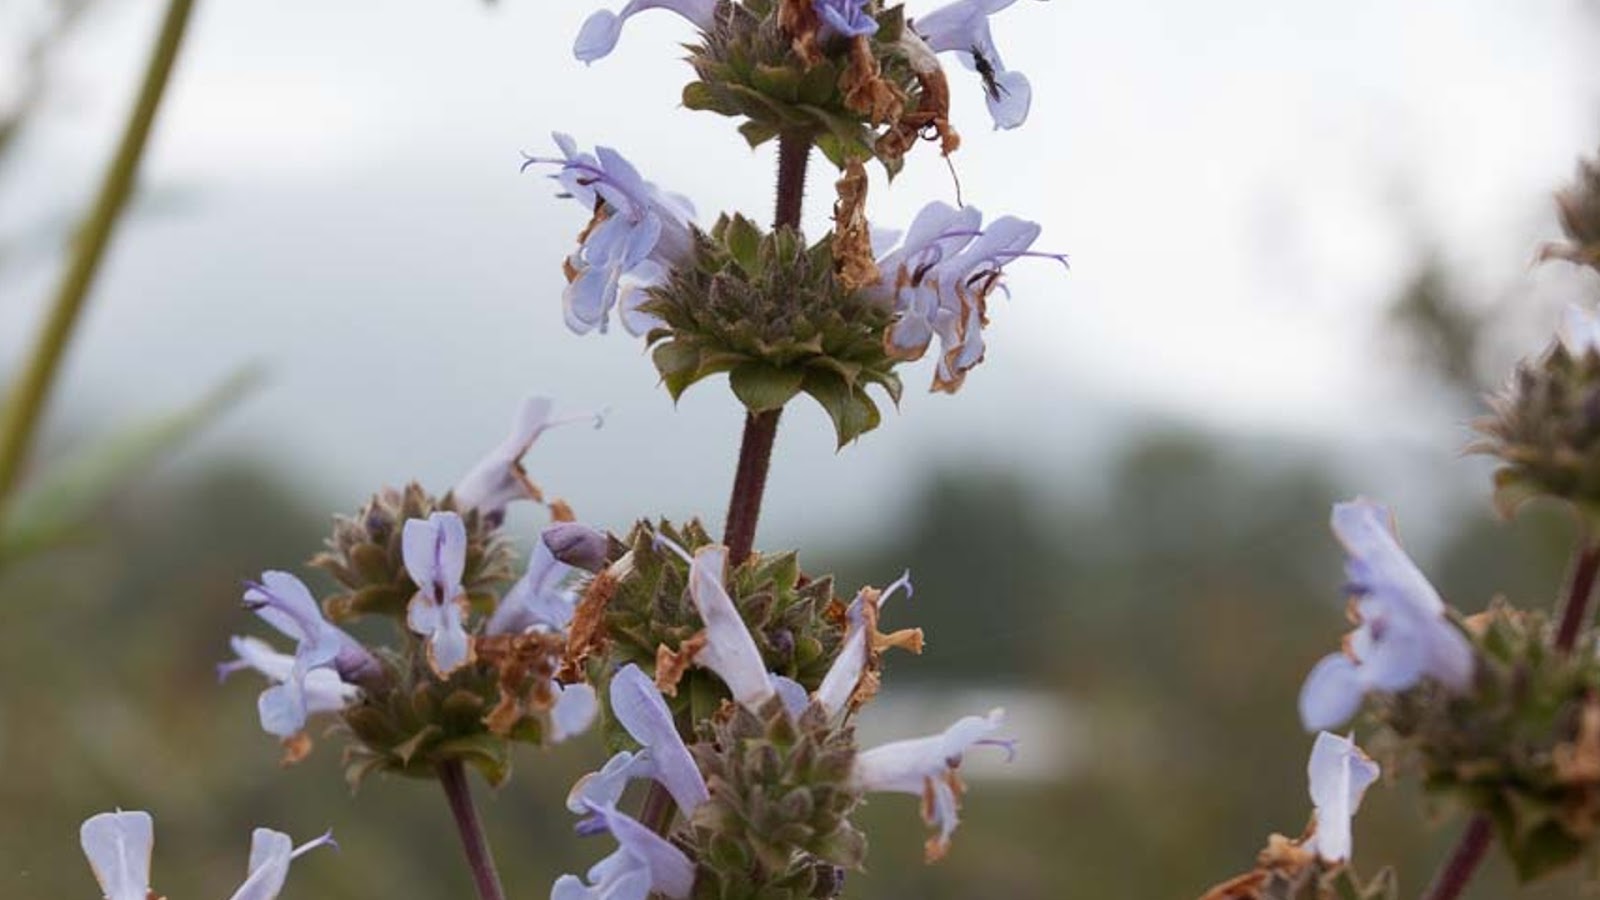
(1545,427)
(364,555)
(747,68)
(768,311)
(1517,747)
(777,823)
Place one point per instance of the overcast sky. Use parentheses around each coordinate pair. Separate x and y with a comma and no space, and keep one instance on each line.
(334,192)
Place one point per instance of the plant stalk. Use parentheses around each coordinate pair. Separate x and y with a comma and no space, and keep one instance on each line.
(1464,860)
(480,859)
(19,419)
(1474,845)
(761,429)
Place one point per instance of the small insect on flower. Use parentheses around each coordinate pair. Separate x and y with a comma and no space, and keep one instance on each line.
(986,71)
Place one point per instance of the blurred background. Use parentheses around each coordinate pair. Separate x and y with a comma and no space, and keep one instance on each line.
(1300,238)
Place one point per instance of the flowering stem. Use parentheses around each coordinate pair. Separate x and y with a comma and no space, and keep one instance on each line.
(453,777)
(1475,842)
(761,429)
(1585,566)
(1463,862)
(19,419)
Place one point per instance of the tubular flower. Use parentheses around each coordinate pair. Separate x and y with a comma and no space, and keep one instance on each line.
(637,233)
(639,707)
(927,767)
(1404,635)
(1339,774)
(321,690)
(962,28)
(599,34)
(843,686)
(435,551)
(499,479)
(118,846)
(286,604)
(541,597)
(938,282)
(644,863)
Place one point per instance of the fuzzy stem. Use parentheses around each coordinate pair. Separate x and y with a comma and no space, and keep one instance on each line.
(1463,862)
(19,419)
(761,429)
(453,778)
(1574,613)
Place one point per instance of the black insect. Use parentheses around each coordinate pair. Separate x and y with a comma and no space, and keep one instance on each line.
(986,71)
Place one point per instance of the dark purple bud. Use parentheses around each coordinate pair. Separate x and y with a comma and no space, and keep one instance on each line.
(576,545)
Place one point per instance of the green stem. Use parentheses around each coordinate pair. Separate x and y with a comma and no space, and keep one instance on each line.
(26,401)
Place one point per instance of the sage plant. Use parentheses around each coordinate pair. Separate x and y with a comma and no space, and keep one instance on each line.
(726,680)
(1497,713)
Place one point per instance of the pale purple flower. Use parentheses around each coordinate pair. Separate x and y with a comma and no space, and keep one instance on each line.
(435,552)
(643,713)
(286,604)
(938,280)
(542,597)
(118,846)
(840,683)
(927,767)
(638,233)
(962,28)
(1579,331)
(321,689)
(270,855)
(1404,635)
(1339,774)
(644,863)
(574,710)
(729,650)
(847,18)
(499,478)
(598,36)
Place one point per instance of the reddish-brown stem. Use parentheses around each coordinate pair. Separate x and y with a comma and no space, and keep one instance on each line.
(453,778)
(761,429)
(1575,612)
(658,809)
(750,483)
(1464,861)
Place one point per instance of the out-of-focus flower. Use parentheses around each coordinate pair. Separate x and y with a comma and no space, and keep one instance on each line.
(286,604)
(1339,774)
(435,551)
(574,710)
(598,36)
(862,643)
(637,233)
(926,767)
(644,863)
(118,846)
(322,690)
(639,707)
(1404,635)
(499,479)
(1579,331)
(962,28)
(938,282)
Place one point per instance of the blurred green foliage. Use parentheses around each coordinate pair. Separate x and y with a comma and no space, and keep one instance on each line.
(1172,616)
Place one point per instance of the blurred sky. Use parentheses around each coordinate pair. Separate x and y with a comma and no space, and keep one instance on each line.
(334,192)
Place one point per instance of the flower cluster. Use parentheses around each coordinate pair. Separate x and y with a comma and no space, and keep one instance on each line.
(461,684)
